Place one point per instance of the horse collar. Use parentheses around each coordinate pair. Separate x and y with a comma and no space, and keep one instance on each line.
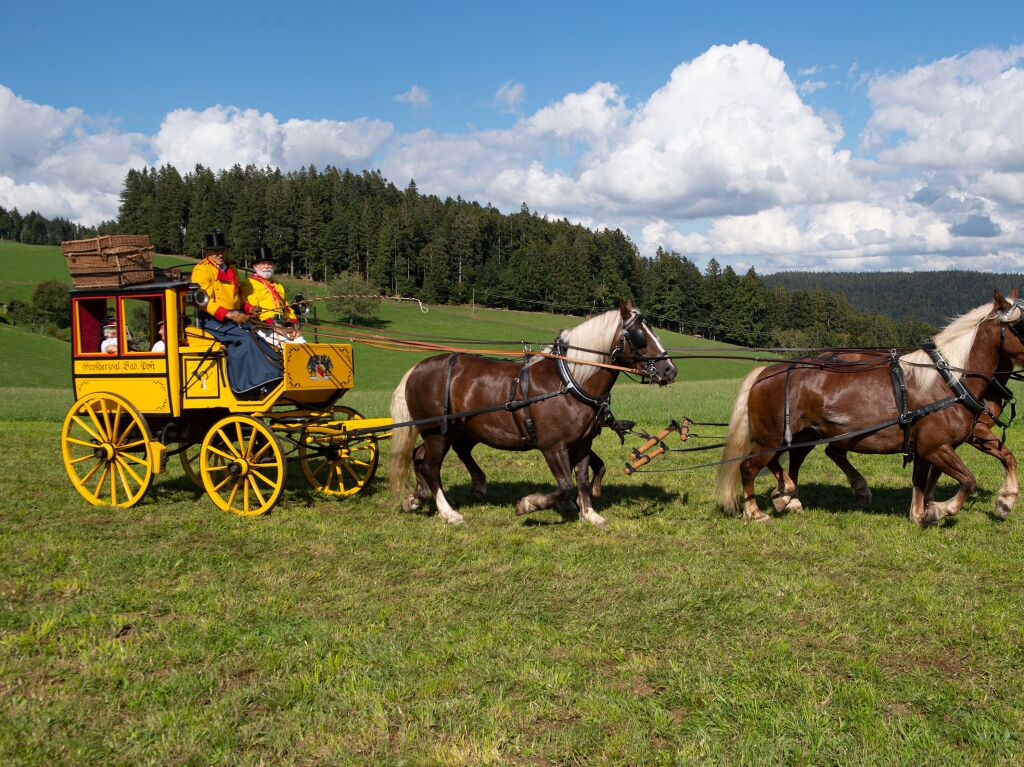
(955,384)
(570,384)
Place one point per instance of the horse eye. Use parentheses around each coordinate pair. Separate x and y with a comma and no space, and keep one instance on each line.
(637,337)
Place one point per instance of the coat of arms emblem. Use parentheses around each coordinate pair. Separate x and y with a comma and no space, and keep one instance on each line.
(319,367)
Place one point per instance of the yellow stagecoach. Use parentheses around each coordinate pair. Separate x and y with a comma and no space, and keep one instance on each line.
(136,405)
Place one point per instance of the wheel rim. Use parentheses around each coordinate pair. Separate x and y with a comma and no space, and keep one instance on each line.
(242,466)
(338,465)
(105,443)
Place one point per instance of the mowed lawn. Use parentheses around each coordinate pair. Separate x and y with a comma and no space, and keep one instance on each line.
(346,632)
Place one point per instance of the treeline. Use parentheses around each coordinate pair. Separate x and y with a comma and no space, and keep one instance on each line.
(931,297)
(35,229)
(321,223)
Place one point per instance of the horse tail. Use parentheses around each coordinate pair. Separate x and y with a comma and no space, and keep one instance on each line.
(402,441)
(737,443)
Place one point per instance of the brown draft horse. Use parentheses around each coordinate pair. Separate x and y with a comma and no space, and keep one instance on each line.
(837,396)
(562,424)
(982,438)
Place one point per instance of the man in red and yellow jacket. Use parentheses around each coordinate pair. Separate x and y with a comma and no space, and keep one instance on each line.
(268,301)
(254,367)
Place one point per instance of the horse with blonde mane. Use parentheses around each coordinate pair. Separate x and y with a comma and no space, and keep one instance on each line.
(555,404)
(854,404)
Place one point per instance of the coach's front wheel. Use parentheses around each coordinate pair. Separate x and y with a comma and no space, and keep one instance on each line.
(242,466)
(333,462)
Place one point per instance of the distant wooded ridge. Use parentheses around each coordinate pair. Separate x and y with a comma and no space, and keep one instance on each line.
(930,297)
(322,223)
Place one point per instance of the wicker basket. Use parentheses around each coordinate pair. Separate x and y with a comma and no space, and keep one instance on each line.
(109,262)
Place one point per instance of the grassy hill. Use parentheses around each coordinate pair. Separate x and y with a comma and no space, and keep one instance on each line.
(23,266)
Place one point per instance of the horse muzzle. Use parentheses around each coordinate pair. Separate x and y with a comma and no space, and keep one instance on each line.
(661,372)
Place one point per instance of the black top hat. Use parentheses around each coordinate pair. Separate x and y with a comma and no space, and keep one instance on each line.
(262,253)
(215,241)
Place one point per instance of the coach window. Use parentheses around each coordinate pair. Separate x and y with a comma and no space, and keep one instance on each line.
(139,318)
(90,314)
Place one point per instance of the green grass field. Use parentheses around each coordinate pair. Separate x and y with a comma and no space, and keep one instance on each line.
(346,632)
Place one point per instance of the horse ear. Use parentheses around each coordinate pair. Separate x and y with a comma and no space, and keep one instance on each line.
(1013,294)
(1001,303)
(626,308)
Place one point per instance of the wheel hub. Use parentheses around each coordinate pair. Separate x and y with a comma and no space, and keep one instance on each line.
(238,468)
(104,451)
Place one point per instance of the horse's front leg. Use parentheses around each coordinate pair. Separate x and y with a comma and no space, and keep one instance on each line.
(598,467)
(558,462)
(478,480)
(946,459)
(584,458)
(987,442)
(858,484)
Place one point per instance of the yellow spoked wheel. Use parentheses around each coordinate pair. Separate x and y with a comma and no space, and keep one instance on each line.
(190,463)
(336,464)
(242,466)
(107,451)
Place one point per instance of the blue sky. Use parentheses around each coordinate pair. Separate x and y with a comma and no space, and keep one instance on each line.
(786,135)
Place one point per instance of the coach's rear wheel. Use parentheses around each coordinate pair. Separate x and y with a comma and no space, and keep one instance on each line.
(190,463)
(189,458)
(107,450)
(337,464)
(242,466)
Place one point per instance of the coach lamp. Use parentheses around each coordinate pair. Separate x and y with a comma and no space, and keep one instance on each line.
(196,296)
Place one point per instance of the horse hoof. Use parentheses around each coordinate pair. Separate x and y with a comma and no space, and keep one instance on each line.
(1003,509)
(759,516)
(794,506)
(781,501)
(411,503)
(455,521)
(524,507)
(864,501)
(480,492)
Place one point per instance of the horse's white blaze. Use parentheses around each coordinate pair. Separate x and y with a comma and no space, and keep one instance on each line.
(446,512)
(657,341)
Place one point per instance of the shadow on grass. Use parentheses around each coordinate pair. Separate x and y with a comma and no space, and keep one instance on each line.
(645,500)
(885,500)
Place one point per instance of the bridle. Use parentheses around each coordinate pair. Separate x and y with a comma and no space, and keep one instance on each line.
(1017,326)
(633,342)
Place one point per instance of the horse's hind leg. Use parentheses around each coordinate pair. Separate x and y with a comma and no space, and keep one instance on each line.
(949,462)
(422,492)
(478,480)
(435,447)
(858,484)
(749,469)
(785,496)
(558,462)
